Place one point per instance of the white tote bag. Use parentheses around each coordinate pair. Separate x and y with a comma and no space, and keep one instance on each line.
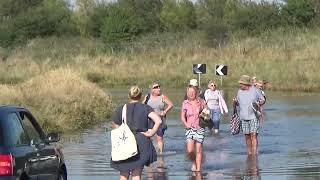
(123,142)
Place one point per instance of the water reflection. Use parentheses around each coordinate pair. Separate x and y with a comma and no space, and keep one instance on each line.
(250,170)
(288,147)
(158,170)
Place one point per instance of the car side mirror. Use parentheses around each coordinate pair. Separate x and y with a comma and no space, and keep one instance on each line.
(53,137)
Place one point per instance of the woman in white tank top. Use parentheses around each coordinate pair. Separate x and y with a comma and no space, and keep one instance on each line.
(161,104)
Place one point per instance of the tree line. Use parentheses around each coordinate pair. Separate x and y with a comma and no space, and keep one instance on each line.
(124,20)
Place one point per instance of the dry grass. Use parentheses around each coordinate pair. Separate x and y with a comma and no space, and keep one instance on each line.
(287,59)
(60,99)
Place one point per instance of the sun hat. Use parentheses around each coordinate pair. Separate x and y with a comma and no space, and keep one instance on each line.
(193,82)
(245,79)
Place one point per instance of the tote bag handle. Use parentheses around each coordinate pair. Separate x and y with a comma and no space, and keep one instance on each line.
(124,114)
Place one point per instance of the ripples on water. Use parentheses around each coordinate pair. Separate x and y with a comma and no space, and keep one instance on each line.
(288,147)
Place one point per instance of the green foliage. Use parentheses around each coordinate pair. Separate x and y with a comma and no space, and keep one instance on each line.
(178,15)
(128,19)
(123,20)
(298,12)
(96,20)
(255,18)
(120,26)
(211,20)
(84,11)
(39,18)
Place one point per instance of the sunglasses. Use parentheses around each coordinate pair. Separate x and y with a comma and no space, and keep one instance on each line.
(156,87)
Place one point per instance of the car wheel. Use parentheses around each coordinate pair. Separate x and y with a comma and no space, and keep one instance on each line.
(62,175)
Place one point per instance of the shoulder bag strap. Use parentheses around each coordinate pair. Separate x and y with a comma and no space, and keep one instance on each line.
(124,114)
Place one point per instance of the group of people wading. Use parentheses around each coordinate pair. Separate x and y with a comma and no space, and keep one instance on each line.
(148,117)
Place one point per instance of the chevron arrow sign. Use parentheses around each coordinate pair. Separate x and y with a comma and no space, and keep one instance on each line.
(199,68)
(221,70)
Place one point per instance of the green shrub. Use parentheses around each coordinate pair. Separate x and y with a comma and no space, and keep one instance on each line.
(297,12)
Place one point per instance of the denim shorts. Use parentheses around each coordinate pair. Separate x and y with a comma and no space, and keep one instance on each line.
(215,117)
(195,134)
(250,126)
(163,127)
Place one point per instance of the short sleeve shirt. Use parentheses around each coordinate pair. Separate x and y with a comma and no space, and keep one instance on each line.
(192,112)
(245,98)
(137,116)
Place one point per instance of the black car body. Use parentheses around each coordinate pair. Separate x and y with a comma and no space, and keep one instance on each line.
(25,151)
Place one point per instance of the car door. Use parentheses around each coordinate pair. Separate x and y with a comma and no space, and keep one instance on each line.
(18,144)
(48,161)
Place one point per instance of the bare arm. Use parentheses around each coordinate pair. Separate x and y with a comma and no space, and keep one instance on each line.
(183,118)
(169,105)
(157,121)
(114,125)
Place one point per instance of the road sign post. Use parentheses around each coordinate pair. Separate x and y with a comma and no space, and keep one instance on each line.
(199,69)
(221,70)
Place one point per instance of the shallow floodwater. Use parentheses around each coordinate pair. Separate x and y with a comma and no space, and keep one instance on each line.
(289,146)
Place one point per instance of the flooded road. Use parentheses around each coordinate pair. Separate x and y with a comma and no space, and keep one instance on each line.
(289,146)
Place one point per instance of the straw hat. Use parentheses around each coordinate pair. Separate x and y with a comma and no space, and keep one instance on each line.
(193,82)
(245,79)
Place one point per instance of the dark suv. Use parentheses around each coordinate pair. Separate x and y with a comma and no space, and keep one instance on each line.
(26,153)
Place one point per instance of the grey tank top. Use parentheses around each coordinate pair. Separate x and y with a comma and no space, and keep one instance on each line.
(156,103)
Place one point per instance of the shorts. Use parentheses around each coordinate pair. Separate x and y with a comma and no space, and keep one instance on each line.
(163,127)
(250,126)
(195,134)
(215,117)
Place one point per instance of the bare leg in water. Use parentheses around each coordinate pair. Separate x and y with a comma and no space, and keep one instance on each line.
(254,143)
(160,144)
(191,154)
(249,143)
(198,156)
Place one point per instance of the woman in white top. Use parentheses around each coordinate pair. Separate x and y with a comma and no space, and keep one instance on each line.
(161,104)
(216,104)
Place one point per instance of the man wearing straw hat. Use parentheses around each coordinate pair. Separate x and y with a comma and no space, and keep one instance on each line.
(249,122)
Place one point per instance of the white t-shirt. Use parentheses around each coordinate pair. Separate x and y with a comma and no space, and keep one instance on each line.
(212,98)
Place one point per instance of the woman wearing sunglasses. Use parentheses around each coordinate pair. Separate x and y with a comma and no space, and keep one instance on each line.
(161,104)
(216,104)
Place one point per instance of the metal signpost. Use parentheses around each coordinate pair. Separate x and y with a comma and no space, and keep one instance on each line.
(199,69)
(221,70)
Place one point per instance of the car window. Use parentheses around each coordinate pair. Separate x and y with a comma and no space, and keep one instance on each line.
(29,128)
(14,133)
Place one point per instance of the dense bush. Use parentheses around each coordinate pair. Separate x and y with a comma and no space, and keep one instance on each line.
(122,20)
(178,16)
(298,12)
(31,19)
